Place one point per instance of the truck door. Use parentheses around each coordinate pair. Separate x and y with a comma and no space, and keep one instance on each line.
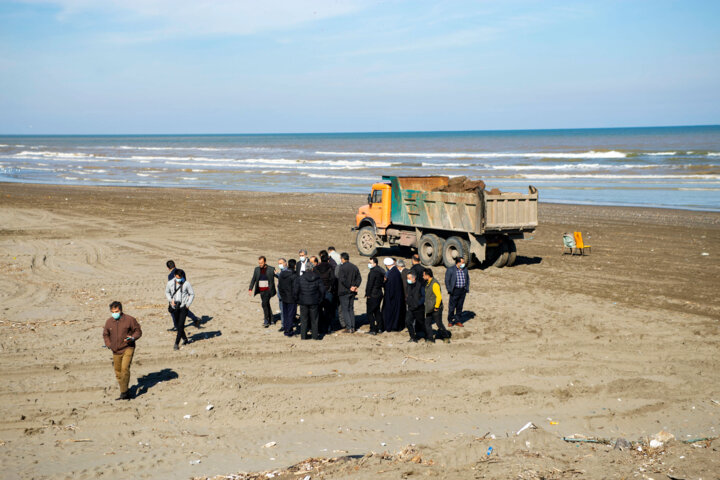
(376,207)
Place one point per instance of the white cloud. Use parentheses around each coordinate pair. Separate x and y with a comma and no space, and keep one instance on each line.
(174,18)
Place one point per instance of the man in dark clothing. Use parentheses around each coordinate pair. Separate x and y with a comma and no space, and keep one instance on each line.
(196,321)
(326,272)
(417,268)
(374,295)
(309,290)
(415,319)
(394,299)
(349,281)
(286,289)
(433,309)
(263,282)
(457,283)
(120,333)
(302,262)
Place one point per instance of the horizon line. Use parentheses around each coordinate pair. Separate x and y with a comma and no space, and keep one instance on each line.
(344,132)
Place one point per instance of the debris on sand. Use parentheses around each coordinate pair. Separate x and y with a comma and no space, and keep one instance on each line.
(316,467)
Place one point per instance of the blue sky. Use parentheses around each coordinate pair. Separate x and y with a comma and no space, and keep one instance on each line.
(184,66)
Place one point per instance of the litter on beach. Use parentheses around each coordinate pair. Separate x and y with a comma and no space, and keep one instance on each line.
(269,444)
(525,427)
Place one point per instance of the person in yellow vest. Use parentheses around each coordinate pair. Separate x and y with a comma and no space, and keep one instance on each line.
(433,309)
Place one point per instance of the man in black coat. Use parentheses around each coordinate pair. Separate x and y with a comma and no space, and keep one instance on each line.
(415,318)
(349,281)
(394,299)
(310,291)
(417,268)
(286,289)
(326,271)
(263,282)
(374,295)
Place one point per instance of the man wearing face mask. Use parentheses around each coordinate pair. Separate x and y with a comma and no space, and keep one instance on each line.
(374,295)
(457,283)
(286,288)
(196,321)
(415,318)
(180,296)
(120,333)
(302,262)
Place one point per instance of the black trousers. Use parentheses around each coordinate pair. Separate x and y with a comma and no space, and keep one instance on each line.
(347,305)
(436,317)
(414,318)
(373,314)
(455,307)
(190,315)
(309,317)
(288,319)
(327,312)
(267,310)
(179,315)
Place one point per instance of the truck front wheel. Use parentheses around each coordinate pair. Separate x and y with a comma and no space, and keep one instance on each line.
(365,241)
(430,250)
(456,247)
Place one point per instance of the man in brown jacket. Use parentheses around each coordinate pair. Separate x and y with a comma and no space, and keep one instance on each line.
(120,333)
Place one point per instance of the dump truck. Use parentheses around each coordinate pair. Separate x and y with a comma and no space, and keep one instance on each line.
(478,226)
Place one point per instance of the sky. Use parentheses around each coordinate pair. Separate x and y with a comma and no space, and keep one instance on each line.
(280,66)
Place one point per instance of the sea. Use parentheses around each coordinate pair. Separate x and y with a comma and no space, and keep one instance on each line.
(669,167)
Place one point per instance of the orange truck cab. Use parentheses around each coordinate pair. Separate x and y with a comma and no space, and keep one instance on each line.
(377,212)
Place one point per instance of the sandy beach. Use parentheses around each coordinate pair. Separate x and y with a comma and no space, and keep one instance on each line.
(622,343)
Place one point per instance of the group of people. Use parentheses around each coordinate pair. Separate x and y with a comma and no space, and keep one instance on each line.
(325,288)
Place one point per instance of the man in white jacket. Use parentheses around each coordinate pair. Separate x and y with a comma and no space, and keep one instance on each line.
(180,295)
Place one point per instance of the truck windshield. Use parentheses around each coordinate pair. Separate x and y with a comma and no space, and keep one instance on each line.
(377,196)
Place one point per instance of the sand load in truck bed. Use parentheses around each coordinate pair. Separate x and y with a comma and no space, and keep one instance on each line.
(463,184)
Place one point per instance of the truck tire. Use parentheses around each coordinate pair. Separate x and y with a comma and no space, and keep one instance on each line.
(430,250)
(366,241)
(502,255)
(455,247)
(512,253)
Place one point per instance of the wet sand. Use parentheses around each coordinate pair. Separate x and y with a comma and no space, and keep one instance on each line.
(621,343)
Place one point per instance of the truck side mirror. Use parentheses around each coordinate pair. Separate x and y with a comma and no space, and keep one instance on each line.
(369,199)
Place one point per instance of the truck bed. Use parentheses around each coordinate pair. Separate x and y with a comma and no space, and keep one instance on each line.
(415,204)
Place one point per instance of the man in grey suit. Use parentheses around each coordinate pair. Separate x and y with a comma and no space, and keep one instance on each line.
(457,283)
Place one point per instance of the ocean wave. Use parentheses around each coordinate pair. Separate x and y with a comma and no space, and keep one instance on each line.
(339,177)
(713,154)
(160,149)
(589,154)
(260,162)
(573,166)
(661,154)
(553,176)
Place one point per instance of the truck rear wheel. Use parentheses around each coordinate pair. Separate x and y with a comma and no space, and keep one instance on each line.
(502,255)
(455,247)
(512,253)
(365,241)
(430,250)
